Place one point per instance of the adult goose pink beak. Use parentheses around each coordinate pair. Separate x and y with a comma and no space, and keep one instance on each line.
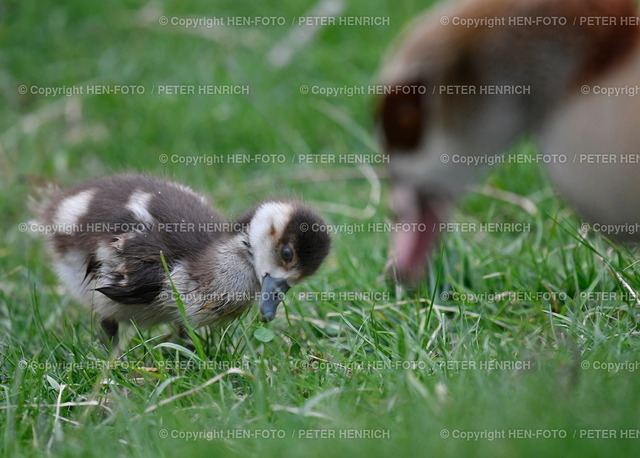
(470,78)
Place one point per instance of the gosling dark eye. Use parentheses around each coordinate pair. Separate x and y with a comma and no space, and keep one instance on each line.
(287,253)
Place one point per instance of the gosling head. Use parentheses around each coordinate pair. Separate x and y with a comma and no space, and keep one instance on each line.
(288,241)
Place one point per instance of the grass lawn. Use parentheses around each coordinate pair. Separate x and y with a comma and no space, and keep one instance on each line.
(522,341)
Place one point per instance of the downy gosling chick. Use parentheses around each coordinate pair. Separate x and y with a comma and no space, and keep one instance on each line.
(106,238)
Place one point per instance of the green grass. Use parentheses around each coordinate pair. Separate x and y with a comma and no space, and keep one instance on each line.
(393,364)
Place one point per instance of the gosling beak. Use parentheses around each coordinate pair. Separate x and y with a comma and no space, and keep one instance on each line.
(273,291)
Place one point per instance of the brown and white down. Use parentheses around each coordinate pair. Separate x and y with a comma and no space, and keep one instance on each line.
(108,234)
(565,67)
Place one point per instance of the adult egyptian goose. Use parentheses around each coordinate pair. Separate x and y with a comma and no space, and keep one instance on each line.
(470,78)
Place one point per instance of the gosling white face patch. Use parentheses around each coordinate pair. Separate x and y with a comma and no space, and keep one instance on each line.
(267,225)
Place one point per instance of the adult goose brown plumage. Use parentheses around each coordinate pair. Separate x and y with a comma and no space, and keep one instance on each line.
(445,83)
